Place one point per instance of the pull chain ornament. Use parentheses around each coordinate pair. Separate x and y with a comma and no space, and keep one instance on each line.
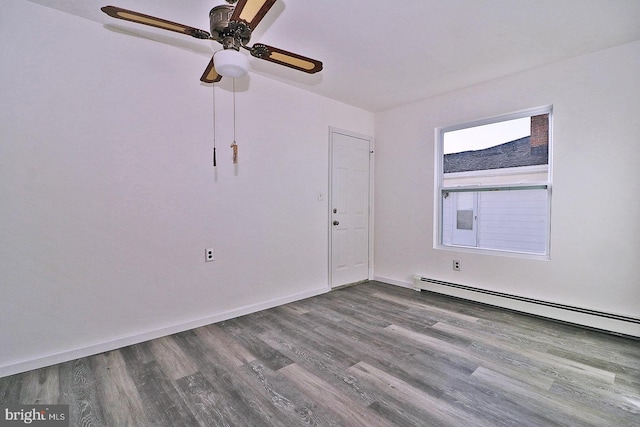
(234,146)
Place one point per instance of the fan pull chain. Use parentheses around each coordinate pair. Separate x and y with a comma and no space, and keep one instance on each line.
(214,125)
(234,146)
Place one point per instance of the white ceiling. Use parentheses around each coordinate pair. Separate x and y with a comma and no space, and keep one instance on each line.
(378,55)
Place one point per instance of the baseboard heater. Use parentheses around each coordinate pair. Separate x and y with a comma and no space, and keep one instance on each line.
(607,322)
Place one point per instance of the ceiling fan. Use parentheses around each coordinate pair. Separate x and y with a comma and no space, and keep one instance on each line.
(231,26)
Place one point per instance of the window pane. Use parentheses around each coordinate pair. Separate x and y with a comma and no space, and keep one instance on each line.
(495,185)
(507,220)
(514,220)
(474,153)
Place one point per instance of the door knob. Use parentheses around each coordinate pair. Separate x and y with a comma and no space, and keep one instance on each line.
(336,222)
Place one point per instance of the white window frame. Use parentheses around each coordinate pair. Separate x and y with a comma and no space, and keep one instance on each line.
(439,187)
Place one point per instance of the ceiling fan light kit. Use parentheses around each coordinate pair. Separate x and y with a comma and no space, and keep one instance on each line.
(231,63)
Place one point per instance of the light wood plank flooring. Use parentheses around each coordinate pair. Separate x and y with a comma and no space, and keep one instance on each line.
(366,355)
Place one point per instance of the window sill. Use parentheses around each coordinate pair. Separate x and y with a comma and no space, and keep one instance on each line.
(494,252)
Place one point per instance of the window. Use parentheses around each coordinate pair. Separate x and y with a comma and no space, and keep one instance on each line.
(494,184)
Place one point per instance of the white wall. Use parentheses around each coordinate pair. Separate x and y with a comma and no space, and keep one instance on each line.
(595,221)
(108,198)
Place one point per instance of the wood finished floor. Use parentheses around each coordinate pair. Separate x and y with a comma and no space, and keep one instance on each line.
(367,355)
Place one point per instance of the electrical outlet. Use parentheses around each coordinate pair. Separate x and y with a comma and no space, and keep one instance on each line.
(456,264)
(208,254)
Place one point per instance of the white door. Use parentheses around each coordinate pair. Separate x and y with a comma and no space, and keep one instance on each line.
(349,205)
(465,219)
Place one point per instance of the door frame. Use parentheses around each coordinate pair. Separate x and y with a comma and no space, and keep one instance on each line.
(333,130)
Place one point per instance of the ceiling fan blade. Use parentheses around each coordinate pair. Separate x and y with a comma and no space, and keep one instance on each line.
(288,59)
(140,18)
(251,12)
(210,74)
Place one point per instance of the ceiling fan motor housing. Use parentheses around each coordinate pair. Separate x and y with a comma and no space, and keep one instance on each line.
(231,34)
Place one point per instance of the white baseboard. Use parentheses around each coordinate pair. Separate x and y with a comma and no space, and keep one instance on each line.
(90,350)
(393,282)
